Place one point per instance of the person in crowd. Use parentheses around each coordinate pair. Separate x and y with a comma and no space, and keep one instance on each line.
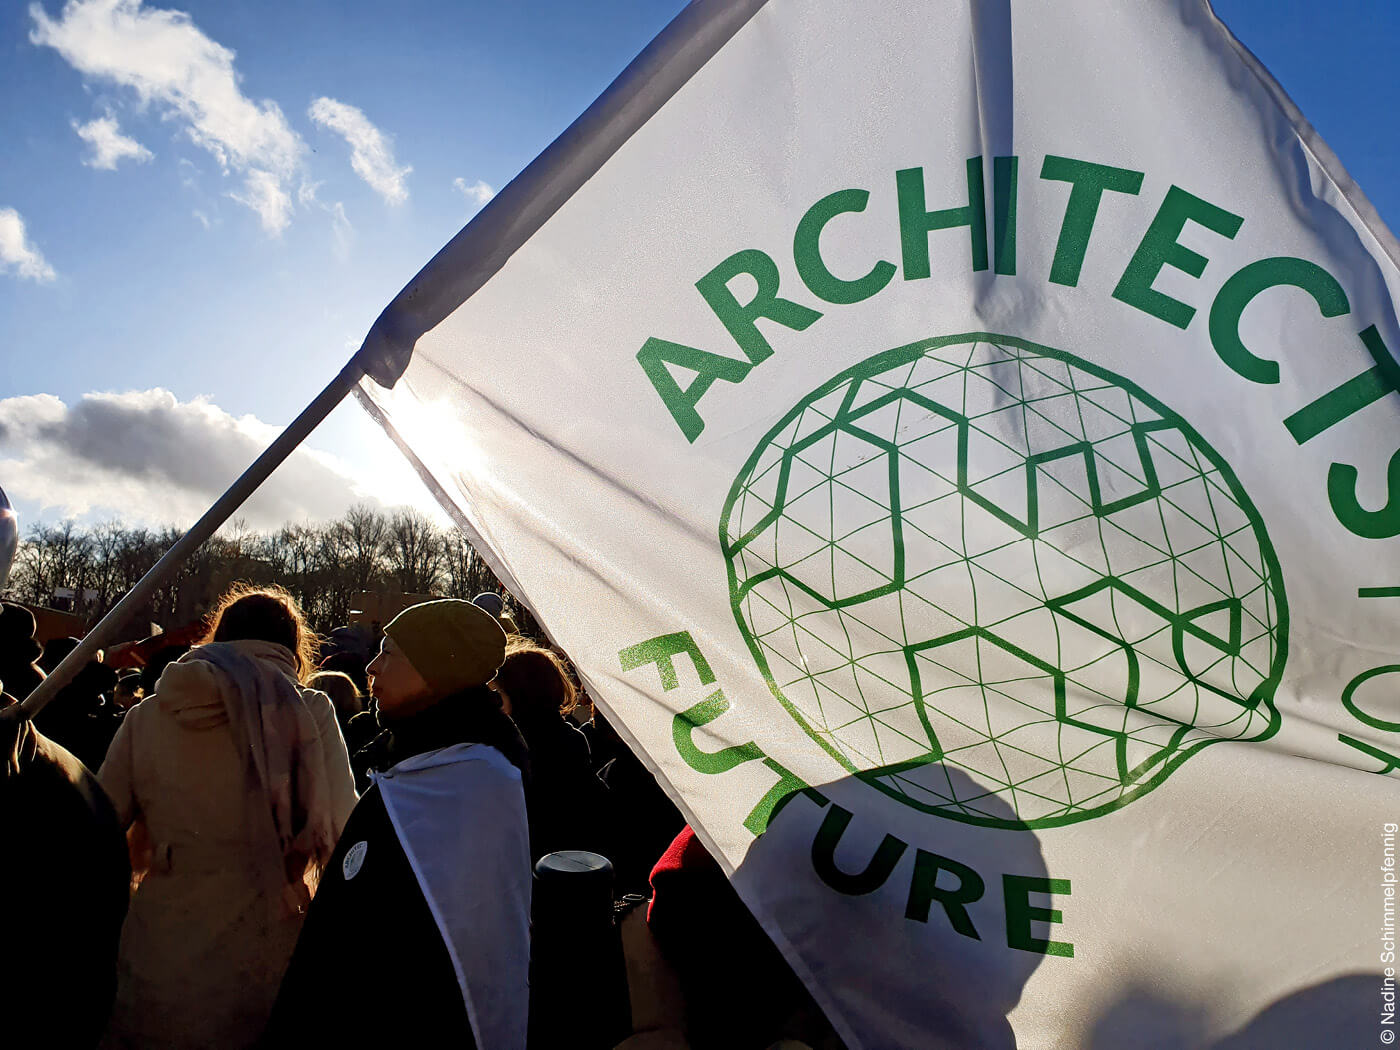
(238,777)
(496,606)
(567,803)
(78,717)
(18,651)
(344,693)
(425,903)
(156,664)
(348,650)
(360,732)
(703,928)
(128,692)
(348,664)
(65,882)
(55,649)
(645,820)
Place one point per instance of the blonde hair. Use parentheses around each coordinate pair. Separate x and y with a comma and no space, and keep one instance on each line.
(341,688)
(268,613)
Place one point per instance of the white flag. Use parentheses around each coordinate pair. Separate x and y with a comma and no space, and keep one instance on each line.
(974,427)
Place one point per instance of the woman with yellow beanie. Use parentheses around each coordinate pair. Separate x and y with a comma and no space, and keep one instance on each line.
(420,929)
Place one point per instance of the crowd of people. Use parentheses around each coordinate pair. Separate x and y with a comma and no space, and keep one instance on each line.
(281,840)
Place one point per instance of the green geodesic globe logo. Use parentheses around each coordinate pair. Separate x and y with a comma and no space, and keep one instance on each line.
(979,552)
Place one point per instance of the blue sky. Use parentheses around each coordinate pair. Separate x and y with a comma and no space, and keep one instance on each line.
(193,222)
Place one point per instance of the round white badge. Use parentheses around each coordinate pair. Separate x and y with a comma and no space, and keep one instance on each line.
(354,859)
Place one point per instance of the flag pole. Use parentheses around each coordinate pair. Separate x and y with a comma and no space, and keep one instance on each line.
(213,519)
(454,274)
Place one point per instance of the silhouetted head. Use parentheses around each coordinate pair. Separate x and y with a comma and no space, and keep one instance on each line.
(341,688)
(534,683)
(266,614)
(431,651)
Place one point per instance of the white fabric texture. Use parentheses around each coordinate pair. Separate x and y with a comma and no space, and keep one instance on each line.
(460,816)
(982,413)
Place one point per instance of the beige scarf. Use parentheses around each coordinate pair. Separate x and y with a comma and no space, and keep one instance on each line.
(288,794)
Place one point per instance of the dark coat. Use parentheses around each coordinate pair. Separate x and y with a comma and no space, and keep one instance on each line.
(370,968)
(19,674)
(473,716)
(567,803)
(65,881)
(360,732)
(79,719)
(703,928)
(644,820)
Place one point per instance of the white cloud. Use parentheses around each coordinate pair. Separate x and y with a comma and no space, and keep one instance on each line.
(169,62)
(264,193)
(108,144)
(189,173)
(477,192)
(147,456)
(17,255)
(341,227)
(371,151)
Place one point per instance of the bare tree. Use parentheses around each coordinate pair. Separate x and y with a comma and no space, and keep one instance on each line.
(137,553)
(414,552)
(362,534)
(467,573)
(56,556)
(324,566)
(293,555)
(106,540)
(335,587)
(29,579)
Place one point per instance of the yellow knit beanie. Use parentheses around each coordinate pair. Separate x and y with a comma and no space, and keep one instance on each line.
(453,644)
